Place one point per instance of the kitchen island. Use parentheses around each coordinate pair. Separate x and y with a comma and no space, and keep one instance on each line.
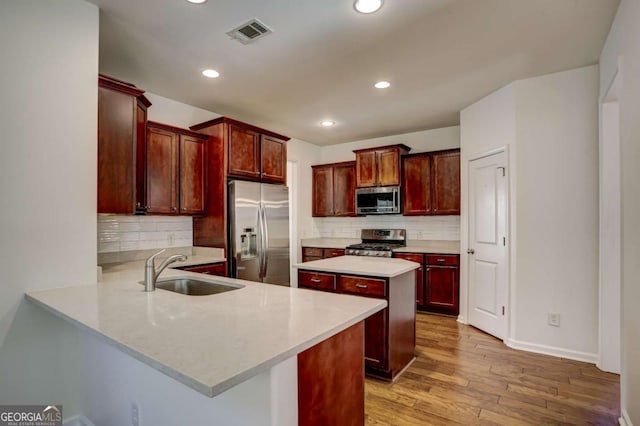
(238,350)
(390,333)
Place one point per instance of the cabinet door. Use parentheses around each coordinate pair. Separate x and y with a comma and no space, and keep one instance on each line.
(274,159)
(192,175)
(322,191)
(375,340)
(446,183)
(244,153)
(442,289)
(116,150)
(366,172)
(344,190)
(416,185)
(388,166)
(162,171)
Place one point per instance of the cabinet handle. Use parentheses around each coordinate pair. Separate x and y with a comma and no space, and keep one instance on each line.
(440,260)
(361,286)
(147,207)
(315,280)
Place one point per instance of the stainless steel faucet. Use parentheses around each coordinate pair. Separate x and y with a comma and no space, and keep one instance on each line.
(150,273)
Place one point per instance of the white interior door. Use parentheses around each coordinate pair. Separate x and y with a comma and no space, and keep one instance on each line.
(488,241)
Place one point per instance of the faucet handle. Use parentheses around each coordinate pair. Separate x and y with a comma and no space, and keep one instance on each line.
(150,259)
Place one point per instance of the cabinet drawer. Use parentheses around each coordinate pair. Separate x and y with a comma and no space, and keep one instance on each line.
(317,280)
(442,259)
(310,258)
(333,252)
(363,286)
(312,251)
(414,257)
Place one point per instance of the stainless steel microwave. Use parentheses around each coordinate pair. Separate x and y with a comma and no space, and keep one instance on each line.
(379,200)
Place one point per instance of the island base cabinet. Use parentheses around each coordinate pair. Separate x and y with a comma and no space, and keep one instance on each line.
(389,335)
(328,395)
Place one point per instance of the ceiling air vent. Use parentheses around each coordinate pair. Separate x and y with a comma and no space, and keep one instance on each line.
(249,31)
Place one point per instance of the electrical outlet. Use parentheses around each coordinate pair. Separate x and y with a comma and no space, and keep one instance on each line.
(553,319)
(135,414)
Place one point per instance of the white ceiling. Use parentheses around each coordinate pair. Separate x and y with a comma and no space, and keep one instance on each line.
(323,57)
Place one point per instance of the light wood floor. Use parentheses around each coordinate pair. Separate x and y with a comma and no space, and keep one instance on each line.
(464,376)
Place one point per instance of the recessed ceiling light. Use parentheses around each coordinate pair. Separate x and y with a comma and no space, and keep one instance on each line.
(327,123)
(211,73)
(382,85)
(367,6)
(197,1)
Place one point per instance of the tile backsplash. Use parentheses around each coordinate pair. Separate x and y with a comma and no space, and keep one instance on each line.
(126,233)
(418,227)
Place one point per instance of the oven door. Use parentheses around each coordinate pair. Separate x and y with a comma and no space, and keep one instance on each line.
(384,200)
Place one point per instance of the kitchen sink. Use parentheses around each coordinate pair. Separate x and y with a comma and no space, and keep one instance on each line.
(194,286)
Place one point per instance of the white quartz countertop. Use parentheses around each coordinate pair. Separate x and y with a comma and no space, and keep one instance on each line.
(209,343)
(387,267)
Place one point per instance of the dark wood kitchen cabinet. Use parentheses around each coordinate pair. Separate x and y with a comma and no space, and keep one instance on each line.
(389,341)
(176,170)
(442,284)
(252,153)
(317,253)
(446,182)
(431,183)
(379,166)
(437,282)
(122,119)
(333,189)
(218,268)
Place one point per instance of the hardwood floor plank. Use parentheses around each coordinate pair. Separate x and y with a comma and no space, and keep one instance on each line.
(464,376)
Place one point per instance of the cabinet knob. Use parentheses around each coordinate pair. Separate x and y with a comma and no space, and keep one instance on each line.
(148,207)
(173,209)
(184,209)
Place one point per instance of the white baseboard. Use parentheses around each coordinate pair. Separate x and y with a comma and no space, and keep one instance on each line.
(552,350)
(77,421)
(462,320)
(625,420)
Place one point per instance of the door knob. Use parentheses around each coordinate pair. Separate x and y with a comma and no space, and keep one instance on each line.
(470,251)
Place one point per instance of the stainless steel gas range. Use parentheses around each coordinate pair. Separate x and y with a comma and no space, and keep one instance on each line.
(378,242)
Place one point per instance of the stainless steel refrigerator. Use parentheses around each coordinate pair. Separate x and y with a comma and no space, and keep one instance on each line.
(259,232)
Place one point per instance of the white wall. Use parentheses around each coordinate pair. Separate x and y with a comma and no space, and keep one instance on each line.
(48,117)
(557,201)
(624,43)
(109,392)
(485,126)
(174,113)
(549,125)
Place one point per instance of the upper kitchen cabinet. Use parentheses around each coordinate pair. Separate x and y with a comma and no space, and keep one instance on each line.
(379,166)
(333,189)
(446,182)
(431,183)
(122,119)
(176,170)
(252,153)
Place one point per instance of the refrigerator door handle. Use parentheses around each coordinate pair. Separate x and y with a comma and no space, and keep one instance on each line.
(259,250)
(265,242)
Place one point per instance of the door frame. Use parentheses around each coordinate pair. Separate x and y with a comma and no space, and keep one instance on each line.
(464,238)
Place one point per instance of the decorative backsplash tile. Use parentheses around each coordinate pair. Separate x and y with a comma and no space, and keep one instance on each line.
(418,227)
(127,233)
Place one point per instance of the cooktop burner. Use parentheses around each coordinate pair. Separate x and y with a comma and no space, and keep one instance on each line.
(378,242)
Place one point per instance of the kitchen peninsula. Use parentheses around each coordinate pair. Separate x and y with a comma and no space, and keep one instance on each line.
(390,333)
(218,344)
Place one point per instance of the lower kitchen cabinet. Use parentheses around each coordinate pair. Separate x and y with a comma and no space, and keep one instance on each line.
(389,342)
(317,253)
(219,269)
(437,282)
